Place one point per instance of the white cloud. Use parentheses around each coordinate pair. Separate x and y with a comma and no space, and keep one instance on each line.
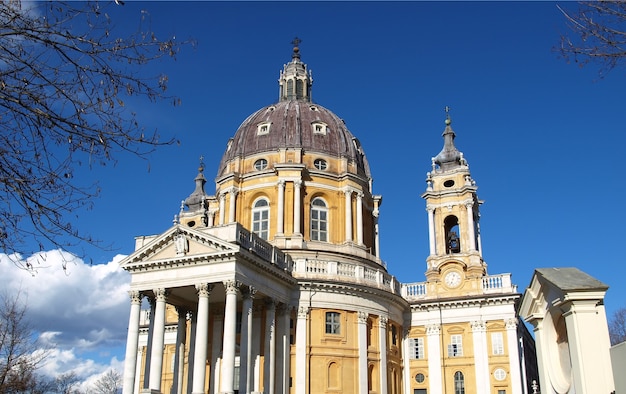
(81,313)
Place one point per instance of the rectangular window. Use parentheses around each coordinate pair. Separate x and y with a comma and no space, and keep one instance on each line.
(332,322)
(497,344)
(419,391)
(455,348)
(416,346)
(501,391)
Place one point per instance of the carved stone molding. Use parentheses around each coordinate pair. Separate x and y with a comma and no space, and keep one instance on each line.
(362,317)
(248,292)
(204,289)
(231,286)
(135,296)
(511,323)
(478,326)
(160,294)
(433,329)
(303,312)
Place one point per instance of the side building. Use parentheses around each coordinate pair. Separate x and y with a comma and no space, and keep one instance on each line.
(275,283)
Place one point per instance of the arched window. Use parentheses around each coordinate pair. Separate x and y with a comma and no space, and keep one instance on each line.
(319,220)
(261,218)
(459,383)
(451,228)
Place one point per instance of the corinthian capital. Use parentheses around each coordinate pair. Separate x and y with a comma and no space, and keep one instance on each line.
(204,289)
(160,294)
(231,286)
(135,296)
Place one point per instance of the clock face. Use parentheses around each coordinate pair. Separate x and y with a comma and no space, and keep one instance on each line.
(453,279)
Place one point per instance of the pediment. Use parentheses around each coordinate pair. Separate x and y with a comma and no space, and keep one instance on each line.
(177,244)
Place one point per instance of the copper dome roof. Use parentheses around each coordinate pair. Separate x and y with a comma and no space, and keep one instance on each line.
(291,124)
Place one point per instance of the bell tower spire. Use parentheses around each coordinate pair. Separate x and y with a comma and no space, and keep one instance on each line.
(295,79)
(453,213)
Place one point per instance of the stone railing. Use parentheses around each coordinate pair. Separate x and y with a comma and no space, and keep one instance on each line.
(345,272)
(411,291)
(255,244)
(493,284)
(498,284)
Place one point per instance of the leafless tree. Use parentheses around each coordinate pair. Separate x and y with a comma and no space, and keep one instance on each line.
(20,354)
(65,78)
(617,326)
(109,383)
(598,34)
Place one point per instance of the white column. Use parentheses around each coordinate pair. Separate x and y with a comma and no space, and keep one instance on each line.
(514,356)
(132,342)
(137,372)
(201,342)
(233,205)
(179,363)
(146,371)
(301,348)
(359,218)
(431,231)
(470,226)
(156,359)
(362,340)
(256,349)
(222,208)
(382,344)
(481,356)
(407,379)
(269,370)
(480,244)
(376,235)
(348,203)
(193,332)
(280,220)
(297,207)
(230,334)
(245,348)
(216,351)
(433,333)
(211,215)
(282,359)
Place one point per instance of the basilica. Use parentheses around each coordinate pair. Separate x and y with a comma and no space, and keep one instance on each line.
(274,283)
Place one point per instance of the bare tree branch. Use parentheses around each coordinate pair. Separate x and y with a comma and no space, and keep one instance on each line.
(598,34)
(65,78)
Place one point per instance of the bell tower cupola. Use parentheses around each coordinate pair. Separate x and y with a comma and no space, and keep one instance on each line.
(295,79)
(196,213)
(453,216)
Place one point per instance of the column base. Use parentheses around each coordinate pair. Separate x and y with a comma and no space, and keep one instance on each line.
(150,391)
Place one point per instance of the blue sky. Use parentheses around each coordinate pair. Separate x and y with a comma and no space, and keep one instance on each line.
(544,138)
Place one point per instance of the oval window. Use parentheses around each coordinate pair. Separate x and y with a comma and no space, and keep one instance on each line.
(448,183)
(320,164)
(260,164)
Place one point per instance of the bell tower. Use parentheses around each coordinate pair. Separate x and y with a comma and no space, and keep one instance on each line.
(455,260)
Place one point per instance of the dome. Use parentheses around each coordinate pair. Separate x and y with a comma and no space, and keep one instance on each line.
(296,124)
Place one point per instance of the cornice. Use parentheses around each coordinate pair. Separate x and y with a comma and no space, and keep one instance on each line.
(464,302)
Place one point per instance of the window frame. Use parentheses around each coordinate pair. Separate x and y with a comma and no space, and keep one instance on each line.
(316,233)
(459,383)
(418,351)
(320,164)
(497,344)
(455,347)
(263,128)
(260,164)
(260,209)
(332,326)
